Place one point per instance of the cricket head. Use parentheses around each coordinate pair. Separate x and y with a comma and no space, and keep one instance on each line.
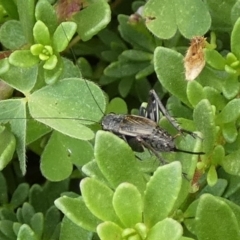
(111,122)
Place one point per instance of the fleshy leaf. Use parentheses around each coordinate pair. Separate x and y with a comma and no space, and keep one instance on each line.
(207,220)
(41,33)
(127,202)
(204,119)
(98,198)
(89,23)
(23,59)
(76,210)
(171,76)
(165,229)
(63,35)
(119,165)
(109,230)
(159,198)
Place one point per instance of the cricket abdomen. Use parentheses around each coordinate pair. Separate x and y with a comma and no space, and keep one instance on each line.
(160,141)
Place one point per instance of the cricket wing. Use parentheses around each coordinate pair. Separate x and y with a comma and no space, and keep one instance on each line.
(133,125)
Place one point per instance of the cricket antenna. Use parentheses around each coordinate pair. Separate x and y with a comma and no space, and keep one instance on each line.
(59,118)
(75,60)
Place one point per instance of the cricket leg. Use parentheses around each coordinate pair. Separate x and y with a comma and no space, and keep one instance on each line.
(151,111)
(148,146)
(154,95)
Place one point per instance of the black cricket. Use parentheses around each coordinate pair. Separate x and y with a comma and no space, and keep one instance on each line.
(144,129)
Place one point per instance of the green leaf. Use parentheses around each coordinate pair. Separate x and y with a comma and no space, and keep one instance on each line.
(217,190)
(14,112)
(159,199)
(230,132)
(195,92)
(41,33)
(230,112)
(124,69)
(109,230)
(98,198)
(7,147)
(26,212)
(55,159)
(23,59)
(165,229)
(165,17)
(52,75)
(22,79)
(230,86)
(215,98)
(89,23)
(11,8)
(71,231)
(136,34)
(27,20)
(204,119)
(50,63)
(6,227)
(91,169)
(118,106)
(212,176)
(76,210)
(145,72)
(220,11)
(11,35)
(68,104)
(214,59)
(3,190)
(234,39)
(211,78)
(46,13)
(119,165)
(218,155)
(207,220)
(52,220)
(170,75)
(85,67)
(128,205)
(137,55)
(19,195)
(25,232)
(37,224)
(124,86)
(4,66)
(63,35)
(231,163)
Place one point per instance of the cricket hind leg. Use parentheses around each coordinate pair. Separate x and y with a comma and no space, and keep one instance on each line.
(151,111)
(153,95)
(149,147)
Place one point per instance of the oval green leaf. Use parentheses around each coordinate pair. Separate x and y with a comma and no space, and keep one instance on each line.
(117,161)
(159,197)
(98,198)
(210,225)
(127,202)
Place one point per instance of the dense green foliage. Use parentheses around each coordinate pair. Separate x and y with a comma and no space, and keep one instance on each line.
(52,105)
